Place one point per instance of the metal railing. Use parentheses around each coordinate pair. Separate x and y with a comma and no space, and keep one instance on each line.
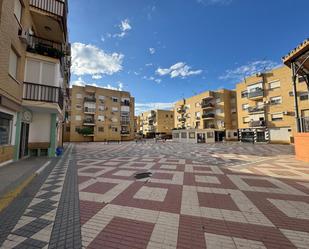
(207,105)
(258,123)
(208,115)
(89,99)
(88,109)
(44,93)
(125,103)
(305,124)
(89,121)
(45,47)
(55,7)
(258,92)
(255,109)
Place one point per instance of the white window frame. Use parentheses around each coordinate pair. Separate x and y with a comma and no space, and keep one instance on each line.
(276,100)
(78,117)
(277,113)
(13,64)
(278,85)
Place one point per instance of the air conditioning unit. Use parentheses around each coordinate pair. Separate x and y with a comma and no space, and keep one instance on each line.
(285,113)
(266,102)
(23,35)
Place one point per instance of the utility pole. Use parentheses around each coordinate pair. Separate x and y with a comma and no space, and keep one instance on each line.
(294,79)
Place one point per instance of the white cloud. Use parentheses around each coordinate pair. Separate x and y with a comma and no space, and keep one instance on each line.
(142,107)
(124,27)
(102,38)
(179,69)
(96,76)
(214,2)
(152,50)
(151,78)
(148,64)
(249,69)
(91,60)
(81,82)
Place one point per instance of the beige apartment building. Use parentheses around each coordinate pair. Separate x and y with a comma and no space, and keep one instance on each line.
(214,111)
(266,106)
(156,122)
(34,76)
(99,114)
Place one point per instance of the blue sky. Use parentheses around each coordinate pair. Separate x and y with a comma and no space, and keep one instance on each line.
(164,50)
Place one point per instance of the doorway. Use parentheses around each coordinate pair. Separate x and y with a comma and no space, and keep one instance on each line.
(219,136)
(201,138)
(24,137)
(260,136)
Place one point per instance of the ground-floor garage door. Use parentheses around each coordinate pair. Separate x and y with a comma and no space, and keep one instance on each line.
(282,134)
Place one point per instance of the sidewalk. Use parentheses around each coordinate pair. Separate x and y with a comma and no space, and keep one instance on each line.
(15,176)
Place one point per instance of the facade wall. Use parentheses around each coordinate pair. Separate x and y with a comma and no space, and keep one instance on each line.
(285,108)
(156,122)
(189,112)
(108,122)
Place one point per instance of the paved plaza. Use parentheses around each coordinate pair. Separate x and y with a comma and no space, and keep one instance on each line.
(225,195)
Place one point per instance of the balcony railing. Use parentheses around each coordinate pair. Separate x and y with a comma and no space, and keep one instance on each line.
(44,47)
(207,105)
(88,109)
(89,99)
(124,122)
(44,93)
(55,7)
(258,123)
(258,92)
(208,115)
(255,109)
(209,126)
(89,121)
(125,103)
(125,132)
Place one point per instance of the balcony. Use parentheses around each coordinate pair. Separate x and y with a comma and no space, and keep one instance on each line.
(44,47)
(254,109)
(125,103)
(125,122)
(43,93)
(208,116)
(89,110)
(125,133)
(207,105)
(55,7)
(181,109)
(256,93)
(89,122)
(258,123)
(209,126)
(89,99)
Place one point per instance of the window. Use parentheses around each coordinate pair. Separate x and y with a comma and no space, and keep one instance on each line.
(274,84)
(277,116)
(245,120)
(218,100)
(79,96)
(176,135)
(245,106)
(114,99)
(114,109)
(183,134)
(101,107)
(17,10)
(210,134)
(191,135)
(41,72)
(166,115)
(78,118)
(101,129)
(304,96)
(276,100)
(218,111)
(100,118)
(5,128)
(233,110)
(114,129)
(244,94)
(13,64)
(78,107)
(172,115)
(101,97)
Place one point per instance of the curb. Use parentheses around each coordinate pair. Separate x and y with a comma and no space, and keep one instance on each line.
(7,198)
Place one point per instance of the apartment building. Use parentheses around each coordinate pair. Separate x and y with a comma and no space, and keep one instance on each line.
(266,106)
(99,114)
(34,75)
(212,111)
(157,122)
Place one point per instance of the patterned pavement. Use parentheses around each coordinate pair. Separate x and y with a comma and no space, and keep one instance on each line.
(199,196)
(212,196)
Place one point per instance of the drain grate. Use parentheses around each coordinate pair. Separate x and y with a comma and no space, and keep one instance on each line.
(143,175)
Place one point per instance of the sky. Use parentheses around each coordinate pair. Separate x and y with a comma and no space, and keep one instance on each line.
(164,50)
